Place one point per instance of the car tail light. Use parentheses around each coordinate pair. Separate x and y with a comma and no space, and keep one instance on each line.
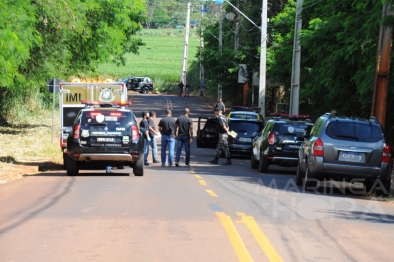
(76,131)
(386,156)
(63,142)
(134,134)
(318,147)
(271,139)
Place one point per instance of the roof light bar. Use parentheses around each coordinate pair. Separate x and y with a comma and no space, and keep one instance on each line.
(245,108)
(89,102)
(289,115)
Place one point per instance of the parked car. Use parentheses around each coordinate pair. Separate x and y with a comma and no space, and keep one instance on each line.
(245,112)
(279,141)
(247,130)
(207,135)
(105,135)
(346,149)
(143,85)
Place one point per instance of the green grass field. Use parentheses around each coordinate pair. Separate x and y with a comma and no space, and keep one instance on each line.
(161,58)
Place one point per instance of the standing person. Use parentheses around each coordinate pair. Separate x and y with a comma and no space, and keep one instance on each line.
(224,132)
(219,104)
(180,86)
(167,130)
(152,134)
(184,133)
(187,90)
(145,125)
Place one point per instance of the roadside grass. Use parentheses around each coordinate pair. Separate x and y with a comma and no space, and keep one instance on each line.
(28,142)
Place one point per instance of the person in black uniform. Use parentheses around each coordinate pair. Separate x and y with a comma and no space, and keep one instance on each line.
(224,132)
(145,126)
(184,134)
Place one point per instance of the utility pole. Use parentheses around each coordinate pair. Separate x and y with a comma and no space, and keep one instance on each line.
(295,72)
(202,77)
(379,98)
(236,31)
(263,58)
(185,48)
(220,48)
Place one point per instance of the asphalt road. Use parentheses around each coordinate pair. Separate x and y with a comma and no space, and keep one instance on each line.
(202,213)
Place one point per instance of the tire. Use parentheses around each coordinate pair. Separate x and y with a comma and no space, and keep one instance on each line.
(145,90)
(263,164)
(253,163)
(308,183)
(199,145)
(138,168)
(65,156)
(300,176)
(72,167)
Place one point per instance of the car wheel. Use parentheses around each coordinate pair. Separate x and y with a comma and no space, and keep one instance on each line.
(65,156)
(145,90)
(253,163)
(300,176)
(383,189)
(263,164)
(72,167)
(308,181)
(138,168)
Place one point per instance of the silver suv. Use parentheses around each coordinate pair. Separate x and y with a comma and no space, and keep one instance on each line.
(346,149)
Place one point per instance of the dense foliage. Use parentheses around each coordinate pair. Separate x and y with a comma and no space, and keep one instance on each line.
(338,54)
(40,40)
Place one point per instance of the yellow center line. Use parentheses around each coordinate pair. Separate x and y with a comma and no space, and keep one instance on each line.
(263,241)
(202,182)
(235,239)
(197,176)
(211,193)
(192,171)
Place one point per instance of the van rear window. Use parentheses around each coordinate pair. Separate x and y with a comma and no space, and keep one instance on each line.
(352,131)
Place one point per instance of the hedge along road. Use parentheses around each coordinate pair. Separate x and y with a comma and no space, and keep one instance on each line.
(200,213)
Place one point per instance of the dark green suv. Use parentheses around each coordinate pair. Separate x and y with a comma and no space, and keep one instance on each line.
(346,149)
(105,135)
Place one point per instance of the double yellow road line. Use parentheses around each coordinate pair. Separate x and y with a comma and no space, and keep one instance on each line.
(237,242)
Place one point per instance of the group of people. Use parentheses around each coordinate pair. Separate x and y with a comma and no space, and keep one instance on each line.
(181,129)
(187,89)
(170,130)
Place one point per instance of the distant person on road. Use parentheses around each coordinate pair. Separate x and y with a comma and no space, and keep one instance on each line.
(187,90)
(152,134)
(180,86)
(145,125)
(219,104)
(184,134)
(167,130)
(224,132)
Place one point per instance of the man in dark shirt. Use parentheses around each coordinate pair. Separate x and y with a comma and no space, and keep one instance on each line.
(167,130)
(184,133)
(152,134)
(144,124)
(180,86)
(219,104)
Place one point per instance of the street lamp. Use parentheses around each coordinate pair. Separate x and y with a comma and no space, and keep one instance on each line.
(263,47)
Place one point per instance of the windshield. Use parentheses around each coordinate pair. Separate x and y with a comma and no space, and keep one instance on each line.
(353,131)
(244,126)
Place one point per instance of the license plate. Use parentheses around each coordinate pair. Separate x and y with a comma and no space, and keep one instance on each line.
(243,139)
(105,139)
(352,157)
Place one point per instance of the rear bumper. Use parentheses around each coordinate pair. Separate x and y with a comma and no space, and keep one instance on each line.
(339,172)
(240,149)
